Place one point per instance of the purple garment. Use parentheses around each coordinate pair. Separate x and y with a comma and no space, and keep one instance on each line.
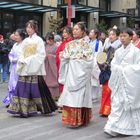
(13,78)
(31,95)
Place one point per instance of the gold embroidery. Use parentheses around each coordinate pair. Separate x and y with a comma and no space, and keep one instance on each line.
(25,106)
(77,49)
(28,79)
(106,110)
(30,49)
(76,116)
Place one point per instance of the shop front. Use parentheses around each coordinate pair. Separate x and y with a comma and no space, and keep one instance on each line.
(15,14)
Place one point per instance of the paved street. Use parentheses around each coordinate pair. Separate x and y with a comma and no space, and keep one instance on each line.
(50,127)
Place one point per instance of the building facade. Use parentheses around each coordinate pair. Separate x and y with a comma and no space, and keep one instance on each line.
(14,14)
(112,12)
(84,10)
(126,6)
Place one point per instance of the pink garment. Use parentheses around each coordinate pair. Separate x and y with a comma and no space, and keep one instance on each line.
(51,71)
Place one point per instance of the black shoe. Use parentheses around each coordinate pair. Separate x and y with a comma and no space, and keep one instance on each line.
(7,106)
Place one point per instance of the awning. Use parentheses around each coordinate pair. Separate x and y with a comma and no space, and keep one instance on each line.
(21,6)
(114,14)
(137,19)
(81,7)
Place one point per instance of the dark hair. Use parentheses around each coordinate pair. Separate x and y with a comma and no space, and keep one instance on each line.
(49,36)
(68,29)
(137,32)
(87,31)
(96,32)
(33,24)
(22,33)
(116,31)
(81,25)
(129,31)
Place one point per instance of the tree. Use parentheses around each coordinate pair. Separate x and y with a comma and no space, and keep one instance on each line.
(130,22)
(56,24)
(102,26)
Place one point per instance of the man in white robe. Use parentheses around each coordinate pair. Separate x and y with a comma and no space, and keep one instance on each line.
(125,85)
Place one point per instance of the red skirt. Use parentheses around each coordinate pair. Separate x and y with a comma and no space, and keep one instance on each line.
(76,117)
(105,101)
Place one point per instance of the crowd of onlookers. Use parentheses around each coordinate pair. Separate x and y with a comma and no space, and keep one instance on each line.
(6,45)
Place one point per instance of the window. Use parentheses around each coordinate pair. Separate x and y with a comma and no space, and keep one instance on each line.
(72,1)
(9,21)
(7,15)
(131,12)
(59,1)
(82,1)
(105,4)
(31,1)
(7,25)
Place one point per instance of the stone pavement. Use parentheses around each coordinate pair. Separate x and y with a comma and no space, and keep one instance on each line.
(49,127)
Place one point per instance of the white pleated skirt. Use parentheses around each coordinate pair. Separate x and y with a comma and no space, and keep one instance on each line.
(122,121)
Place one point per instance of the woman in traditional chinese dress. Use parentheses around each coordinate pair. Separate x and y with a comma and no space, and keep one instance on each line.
(50,66)
(111,45)
(67,37)
(32,94)
(13,57)
(97,47)
(136,38)
(75,73)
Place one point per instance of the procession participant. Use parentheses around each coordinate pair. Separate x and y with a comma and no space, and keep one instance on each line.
(97,47)
(67,37)
(124,83)
(19,36)
(75,73)
(111,44)
(50,66)
(32,94)
(136,38)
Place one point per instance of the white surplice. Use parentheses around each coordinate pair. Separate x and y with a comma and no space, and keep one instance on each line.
(75,74)
(32,56)
(116,44)
(125,98)
(95,89)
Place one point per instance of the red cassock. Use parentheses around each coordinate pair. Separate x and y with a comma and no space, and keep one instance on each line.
(60,49)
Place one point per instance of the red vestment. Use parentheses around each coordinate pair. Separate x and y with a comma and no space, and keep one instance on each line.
(60,49)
